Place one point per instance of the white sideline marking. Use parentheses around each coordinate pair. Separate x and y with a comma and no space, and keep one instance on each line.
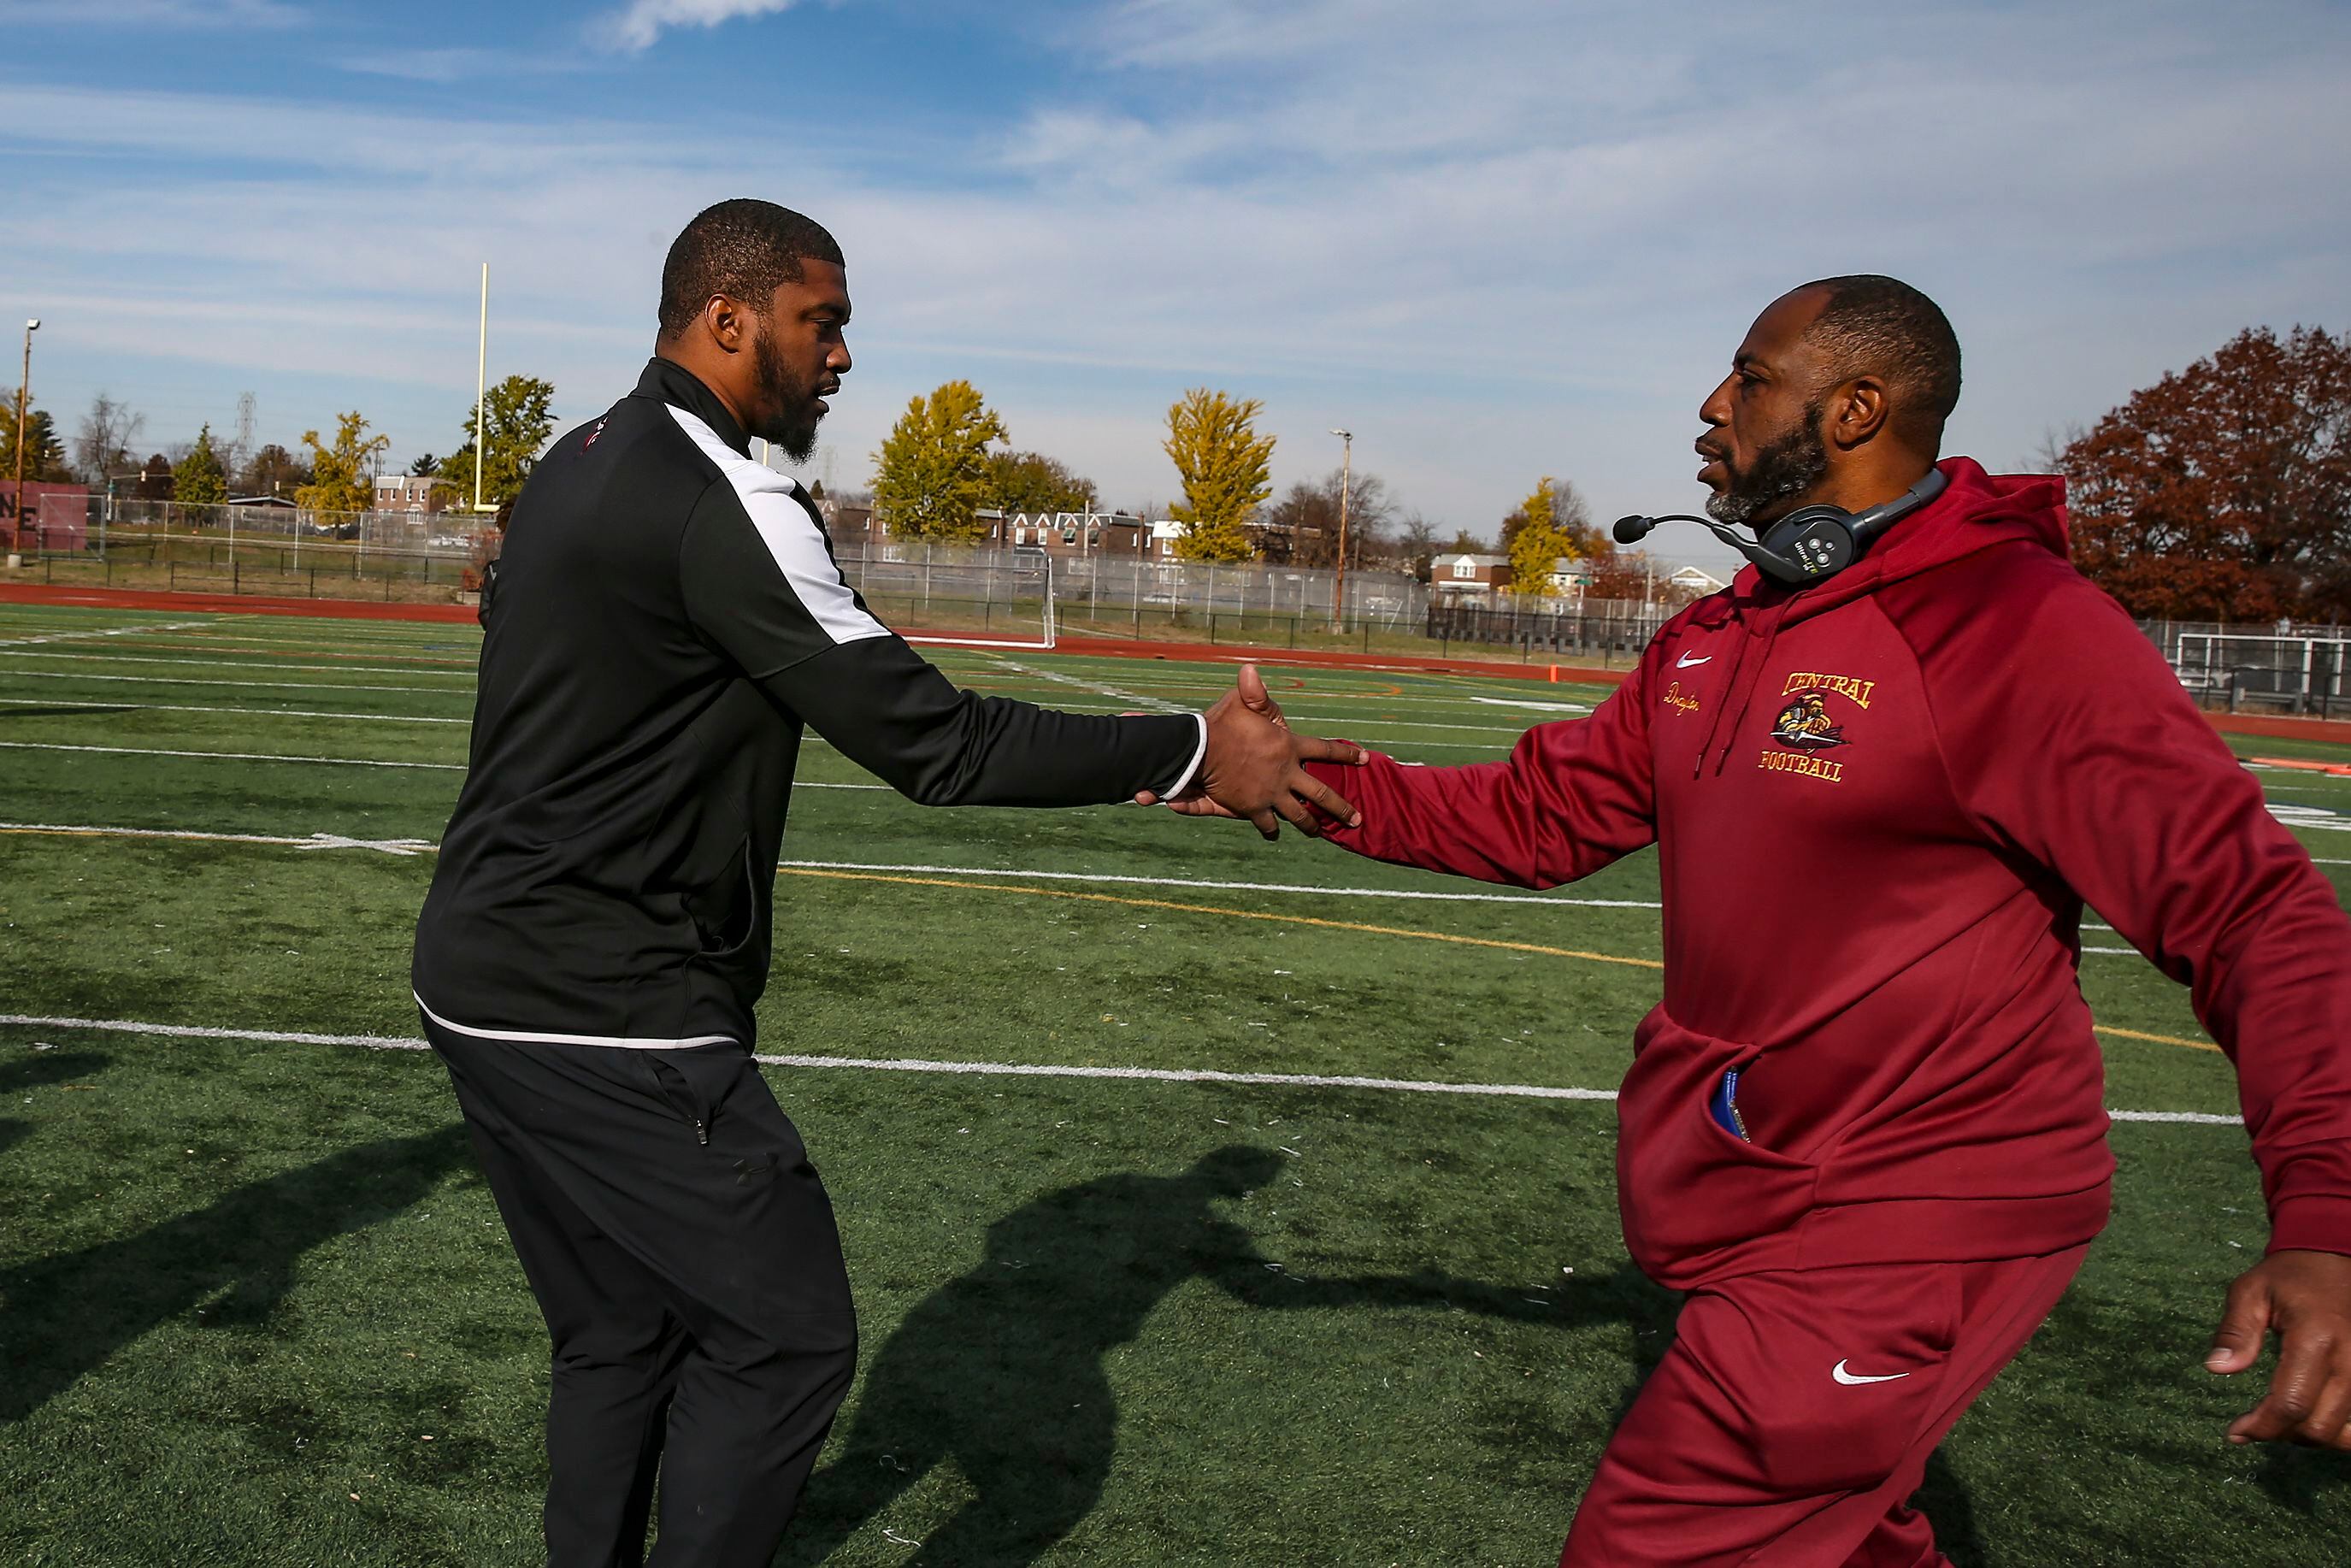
(408,846)
(981,1069)
(323,841)
(1157,704)
(227,658)
(231,756)
(2294,816)
(273,756)
(250,712)
(110,632)
(1529,702)
(314,842)
(268,685)
(1237,886)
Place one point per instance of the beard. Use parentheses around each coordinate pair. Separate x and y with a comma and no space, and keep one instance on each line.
(1785,467)
(792,426)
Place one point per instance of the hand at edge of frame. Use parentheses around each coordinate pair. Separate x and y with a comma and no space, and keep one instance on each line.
(1254,767)
(2304,1297)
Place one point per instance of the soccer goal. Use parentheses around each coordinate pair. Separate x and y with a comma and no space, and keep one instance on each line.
(2301,674)
(971,599)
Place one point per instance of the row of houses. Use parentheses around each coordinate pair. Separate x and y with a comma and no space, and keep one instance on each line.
(1118,535)
(1466,576)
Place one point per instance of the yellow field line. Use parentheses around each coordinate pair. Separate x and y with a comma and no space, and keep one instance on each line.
(1344,925)
(1245,914)
(1235,914)
(2155,1038)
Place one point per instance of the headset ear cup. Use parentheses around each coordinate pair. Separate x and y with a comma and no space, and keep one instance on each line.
(1817,537)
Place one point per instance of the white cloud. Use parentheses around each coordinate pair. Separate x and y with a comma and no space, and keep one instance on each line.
(642,22)
(1496,242)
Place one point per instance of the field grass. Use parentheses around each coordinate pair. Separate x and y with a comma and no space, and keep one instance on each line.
(256,1308)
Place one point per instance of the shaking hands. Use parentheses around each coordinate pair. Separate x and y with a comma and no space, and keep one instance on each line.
(1255,767)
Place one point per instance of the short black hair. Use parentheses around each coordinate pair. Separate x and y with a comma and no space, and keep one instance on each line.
(1872,325)
(745,248)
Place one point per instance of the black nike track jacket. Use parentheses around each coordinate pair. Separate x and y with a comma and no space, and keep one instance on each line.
(667,616)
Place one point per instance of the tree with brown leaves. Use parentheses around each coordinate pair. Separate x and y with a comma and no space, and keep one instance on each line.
(2223,491)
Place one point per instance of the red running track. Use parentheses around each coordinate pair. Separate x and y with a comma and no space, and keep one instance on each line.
(2276,727)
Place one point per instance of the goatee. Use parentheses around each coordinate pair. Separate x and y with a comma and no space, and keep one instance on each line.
(793,427)
(1786,467)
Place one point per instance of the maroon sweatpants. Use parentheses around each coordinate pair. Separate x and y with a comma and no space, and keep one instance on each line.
(1794,1416)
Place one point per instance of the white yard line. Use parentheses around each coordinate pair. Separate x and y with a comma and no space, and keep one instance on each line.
(16,674)
(228,756)
(330,761)
(1534,898)
(228,661)
(246,712)
(2310,817)
(1530,703)
(108,631)
(314,842)
(983,1069)
(1113,693)
(408,846)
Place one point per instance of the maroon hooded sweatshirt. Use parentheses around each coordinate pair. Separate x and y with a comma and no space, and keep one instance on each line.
(1880,804)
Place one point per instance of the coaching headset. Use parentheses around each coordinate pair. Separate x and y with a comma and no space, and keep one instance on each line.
(1811,543)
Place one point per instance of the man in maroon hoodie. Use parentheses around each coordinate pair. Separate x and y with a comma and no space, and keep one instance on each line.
(1864,1131)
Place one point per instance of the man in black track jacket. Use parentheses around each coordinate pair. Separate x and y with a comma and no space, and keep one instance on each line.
(667,618)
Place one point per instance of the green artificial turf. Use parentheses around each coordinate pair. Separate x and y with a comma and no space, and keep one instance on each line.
(1105,1321)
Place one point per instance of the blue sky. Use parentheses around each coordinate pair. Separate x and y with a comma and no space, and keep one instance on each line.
(1498,240)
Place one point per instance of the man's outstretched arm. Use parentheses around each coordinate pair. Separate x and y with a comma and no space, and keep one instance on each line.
(1572,797)
(761,587)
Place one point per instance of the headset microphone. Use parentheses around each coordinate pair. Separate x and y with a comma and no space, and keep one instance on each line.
(1810,543)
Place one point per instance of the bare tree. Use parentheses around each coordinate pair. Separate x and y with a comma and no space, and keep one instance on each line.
(102,446)
(1302,527)
(1415,544)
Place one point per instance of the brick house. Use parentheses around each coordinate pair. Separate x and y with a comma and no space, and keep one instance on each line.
(420,494)
(1459,576)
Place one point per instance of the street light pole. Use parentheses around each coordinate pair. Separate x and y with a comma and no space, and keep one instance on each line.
(23,403)
(1346,482)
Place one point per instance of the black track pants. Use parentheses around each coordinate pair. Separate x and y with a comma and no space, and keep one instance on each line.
(685,1255)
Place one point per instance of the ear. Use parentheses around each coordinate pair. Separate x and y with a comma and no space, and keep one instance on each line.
(1856,412)
(727,321)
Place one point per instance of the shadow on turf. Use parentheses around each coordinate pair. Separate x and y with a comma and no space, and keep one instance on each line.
(65,1314)
(1000,1371)
(34,1068)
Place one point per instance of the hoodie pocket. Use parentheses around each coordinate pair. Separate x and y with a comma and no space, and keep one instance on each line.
(1691,1188)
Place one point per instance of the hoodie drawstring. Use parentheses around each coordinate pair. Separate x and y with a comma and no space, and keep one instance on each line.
(1746,673)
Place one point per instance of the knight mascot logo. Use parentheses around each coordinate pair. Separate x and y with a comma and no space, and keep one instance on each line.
(1804,724)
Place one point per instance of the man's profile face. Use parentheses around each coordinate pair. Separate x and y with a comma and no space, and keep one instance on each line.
(798,357)
(1765,451)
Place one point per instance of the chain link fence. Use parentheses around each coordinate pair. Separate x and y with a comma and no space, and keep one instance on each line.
(265,549)
(1017,594)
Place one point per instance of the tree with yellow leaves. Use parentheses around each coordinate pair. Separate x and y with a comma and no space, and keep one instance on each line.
(1226,468)
(342,476)
(1551,525)
(932,475)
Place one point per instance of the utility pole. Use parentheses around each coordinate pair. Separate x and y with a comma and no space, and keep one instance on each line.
(23,403)
(1346,481)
